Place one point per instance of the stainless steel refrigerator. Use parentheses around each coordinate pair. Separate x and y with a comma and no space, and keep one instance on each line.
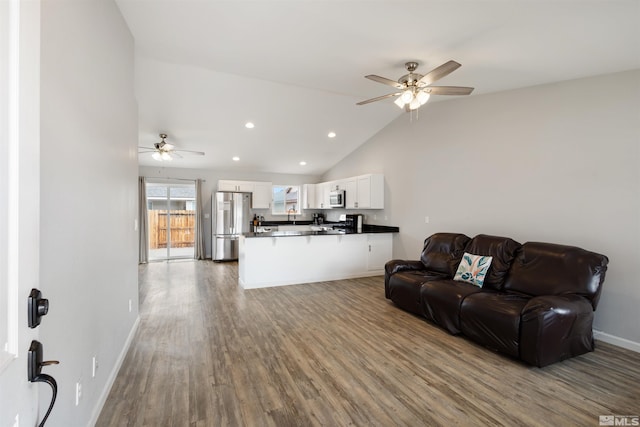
(231,218)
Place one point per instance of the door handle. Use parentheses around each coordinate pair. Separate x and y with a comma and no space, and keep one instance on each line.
(35,375)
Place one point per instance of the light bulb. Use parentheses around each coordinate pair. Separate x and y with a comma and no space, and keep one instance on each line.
(415,104)
(399,102)
(407,96)
(423,97)
(166,156)
(157,156)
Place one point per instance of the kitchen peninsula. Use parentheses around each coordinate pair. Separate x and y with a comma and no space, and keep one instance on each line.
(292,257)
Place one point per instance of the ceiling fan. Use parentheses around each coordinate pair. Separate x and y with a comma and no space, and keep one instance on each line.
(415,89)
(163,151)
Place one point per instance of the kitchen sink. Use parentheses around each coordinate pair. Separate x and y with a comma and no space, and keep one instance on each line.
(321,228)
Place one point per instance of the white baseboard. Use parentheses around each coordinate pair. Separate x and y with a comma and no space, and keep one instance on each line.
(620,342)
(114,373)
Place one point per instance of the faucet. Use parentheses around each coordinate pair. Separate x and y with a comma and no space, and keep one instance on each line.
(289,212)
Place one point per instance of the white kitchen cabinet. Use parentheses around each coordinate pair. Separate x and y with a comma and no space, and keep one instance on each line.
(365,192)
(309,200)
(350,193)
(242,186)
(380,248)
(337,185)
(361,192)
(260,191)
(276,261)
(261,197)
(322,195)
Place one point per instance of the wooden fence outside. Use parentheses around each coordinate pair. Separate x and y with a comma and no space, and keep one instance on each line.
(183,224)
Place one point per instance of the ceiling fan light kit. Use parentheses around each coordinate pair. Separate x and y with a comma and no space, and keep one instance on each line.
(415,89)
(163,151)
(164,156)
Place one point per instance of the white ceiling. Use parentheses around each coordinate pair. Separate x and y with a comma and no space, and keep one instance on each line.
(296,68)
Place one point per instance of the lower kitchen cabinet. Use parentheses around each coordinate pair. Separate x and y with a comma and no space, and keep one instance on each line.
(288,260)
(380,247)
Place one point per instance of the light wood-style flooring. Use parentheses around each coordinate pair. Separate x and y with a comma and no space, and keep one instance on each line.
(208,353)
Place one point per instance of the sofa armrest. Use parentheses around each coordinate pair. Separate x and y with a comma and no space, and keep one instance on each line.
(554,328)
(397,265)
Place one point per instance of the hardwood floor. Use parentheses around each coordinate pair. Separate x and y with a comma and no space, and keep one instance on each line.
(208,353)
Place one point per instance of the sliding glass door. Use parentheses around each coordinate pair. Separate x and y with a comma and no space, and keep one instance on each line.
(171,222)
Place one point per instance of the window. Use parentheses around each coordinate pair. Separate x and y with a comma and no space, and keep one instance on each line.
(286,200)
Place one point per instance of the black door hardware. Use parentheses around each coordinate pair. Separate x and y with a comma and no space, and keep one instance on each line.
(36,308)
(35,375)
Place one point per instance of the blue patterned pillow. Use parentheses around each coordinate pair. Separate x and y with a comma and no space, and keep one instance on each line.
(473,269)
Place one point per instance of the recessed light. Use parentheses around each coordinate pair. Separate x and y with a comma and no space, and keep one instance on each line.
(331,135)
(249,125)
(235,158)
(303,163)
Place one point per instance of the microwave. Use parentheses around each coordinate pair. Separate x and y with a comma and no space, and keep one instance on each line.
(336,199)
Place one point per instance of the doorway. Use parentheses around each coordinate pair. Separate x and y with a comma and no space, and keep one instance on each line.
(171,220)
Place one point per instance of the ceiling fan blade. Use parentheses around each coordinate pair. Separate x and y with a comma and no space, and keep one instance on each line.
(197,153)
(448,90)
(438,73)
(368,101)
(385,81)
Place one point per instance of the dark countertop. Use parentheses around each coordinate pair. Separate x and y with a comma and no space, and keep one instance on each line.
(366,229)
(267,223)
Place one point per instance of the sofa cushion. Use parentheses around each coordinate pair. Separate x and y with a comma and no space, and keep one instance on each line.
(404,288)
(493,320)
(502,250)
(441,301)
(442,252)
(473,269)
(550,269)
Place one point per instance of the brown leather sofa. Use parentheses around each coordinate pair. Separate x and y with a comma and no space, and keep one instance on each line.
(536,303)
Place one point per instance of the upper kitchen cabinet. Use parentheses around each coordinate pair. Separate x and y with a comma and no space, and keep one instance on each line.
(309,200)
(361,192)
(322,195)
(260,191)
(364,192)
(240,186)
(261,198)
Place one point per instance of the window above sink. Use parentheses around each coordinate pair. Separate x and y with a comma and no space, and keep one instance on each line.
(286,200)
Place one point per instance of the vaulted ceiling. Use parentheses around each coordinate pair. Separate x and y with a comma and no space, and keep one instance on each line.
(295,68)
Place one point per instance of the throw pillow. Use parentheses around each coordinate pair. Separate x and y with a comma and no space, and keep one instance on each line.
(473,269)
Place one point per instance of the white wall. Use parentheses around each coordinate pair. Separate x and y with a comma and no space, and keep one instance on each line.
(210,185)
(556,163)
(88,199)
